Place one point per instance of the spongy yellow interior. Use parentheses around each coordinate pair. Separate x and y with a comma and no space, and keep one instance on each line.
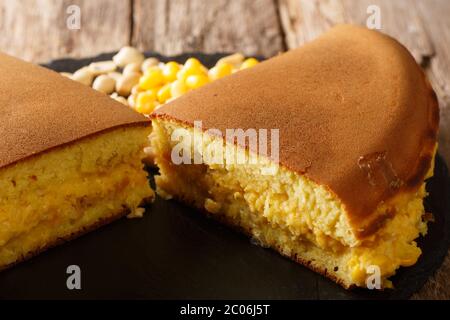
(287,211)
(62,192)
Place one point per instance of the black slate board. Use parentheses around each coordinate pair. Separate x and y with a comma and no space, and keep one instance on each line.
(175,252)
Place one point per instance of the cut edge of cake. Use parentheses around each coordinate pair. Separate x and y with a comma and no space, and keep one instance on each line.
(288,212)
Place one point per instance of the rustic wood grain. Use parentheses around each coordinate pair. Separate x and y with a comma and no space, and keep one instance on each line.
(422,26)
(437,24)
(36,30)
(304,20)
(175,26)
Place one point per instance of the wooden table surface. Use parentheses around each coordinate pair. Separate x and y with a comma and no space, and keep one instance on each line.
(36,30)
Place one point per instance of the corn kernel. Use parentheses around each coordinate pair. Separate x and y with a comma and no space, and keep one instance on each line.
(248,63)
(177,88)
(151,79)
(235,59)
(170,71)
(196,81)
(192,63)
(164,93)
(151,69)
(185,72)
(149,95)
(220,70)
(146,102)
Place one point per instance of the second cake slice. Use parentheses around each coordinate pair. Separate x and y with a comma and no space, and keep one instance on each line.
(70,160)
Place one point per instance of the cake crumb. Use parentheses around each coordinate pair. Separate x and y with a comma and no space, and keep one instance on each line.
(137,213)
(212,206)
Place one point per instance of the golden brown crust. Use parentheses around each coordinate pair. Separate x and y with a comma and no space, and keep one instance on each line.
(41,110)
(349,94)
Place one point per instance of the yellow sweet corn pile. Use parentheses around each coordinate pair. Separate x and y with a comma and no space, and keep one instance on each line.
(170,80)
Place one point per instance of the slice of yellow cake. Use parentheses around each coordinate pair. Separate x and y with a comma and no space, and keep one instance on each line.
(356,122)
(70,160)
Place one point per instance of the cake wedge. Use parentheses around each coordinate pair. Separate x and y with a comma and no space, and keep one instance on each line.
(357,124)
(70,160)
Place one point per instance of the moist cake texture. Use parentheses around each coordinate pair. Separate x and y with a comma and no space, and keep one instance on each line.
(67,163)
(358,124)
(62,193)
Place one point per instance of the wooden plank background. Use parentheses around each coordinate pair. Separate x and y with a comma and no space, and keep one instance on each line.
(35,30)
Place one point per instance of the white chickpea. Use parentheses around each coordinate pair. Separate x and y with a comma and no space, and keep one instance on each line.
(126,83)
(132,100)
(148,63)
(132,68)
(66,74)
(115,75)
(84,76)
(102,67)
(128,55)
(104,83)
(234,59)
(120,99)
